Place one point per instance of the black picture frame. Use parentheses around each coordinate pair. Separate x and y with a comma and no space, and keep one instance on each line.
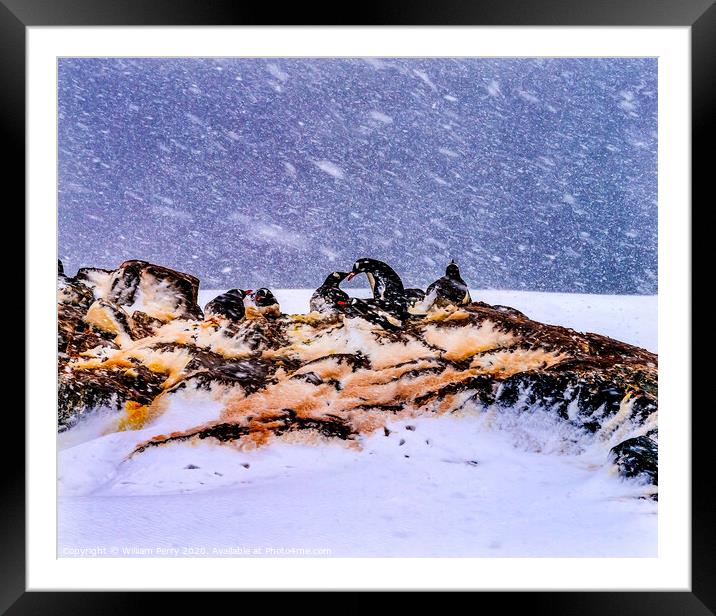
(700,15)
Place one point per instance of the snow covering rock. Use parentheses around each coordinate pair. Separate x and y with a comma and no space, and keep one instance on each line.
(71,291)
(159,292)
(314,376)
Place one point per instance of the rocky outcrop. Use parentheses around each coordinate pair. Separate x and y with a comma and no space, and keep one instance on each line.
(637,457)
(337,377)
(159,292)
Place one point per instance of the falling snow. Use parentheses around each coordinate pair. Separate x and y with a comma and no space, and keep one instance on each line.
(533,173)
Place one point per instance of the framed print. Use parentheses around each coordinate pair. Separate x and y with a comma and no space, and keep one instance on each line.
(390,306)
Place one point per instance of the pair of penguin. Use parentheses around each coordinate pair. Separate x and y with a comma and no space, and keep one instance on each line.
(390,306)
(230,305)
(392,302)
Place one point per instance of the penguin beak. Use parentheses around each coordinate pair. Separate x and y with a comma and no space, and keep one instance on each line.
(248,291)
(350,276)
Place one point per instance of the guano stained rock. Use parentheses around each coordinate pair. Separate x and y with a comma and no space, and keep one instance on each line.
(132,338)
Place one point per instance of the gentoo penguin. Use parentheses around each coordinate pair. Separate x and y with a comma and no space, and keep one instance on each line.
(329,296)
(386,285)
(266,303)
(450,289)
(229,305)
(414,296)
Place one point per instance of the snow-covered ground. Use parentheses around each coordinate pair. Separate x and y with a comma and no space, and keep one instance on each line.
(482,484)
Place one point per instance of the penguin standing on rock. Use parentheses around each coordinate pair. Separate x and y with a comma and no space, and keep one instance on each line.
(386,285)
(389,304)
(266,303)
(229,305)
(329,297)
(450,289)
(414,296)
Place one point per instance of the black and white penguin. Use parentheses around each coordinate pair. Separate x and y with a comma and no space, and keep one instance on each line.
(229,305)
(449,289)
(266,303)
(386,285)
(329,297)
(414,296)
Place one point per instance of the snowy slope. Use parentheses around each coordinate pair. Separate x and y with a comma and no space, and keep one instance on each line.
(454,488)
(483,484)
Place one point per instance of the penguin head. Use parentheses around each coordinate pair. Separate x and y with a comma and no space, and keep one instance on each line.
(452,270)
(365,265)
(239,293)
(263,297)
(335,278)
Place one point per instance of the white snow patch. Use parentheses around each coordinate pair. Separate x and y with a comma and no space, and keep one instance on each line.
(627,102)
(528,96)
(276,71)
(330,254)
(290,169)
(170,212)
(493,88)
(424,77)
(448,153)
(330,168)
(379,116)
(451,486)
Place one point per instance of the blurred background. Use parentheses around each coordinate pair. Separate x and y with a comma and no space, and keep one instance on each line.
(534,174)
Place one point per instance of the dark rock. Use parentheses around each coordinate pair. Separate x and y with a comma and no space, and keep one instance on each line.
(73,292)
(109,318)
(309,377)
(282,423)
(83,390)
(144,326)
(96,279)
(637,457)
(251,375)
(174,293)
(508,310)
(107,358)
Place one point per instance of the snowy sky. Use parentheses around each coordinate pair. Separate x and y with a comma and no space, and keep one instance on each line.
(531,173)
